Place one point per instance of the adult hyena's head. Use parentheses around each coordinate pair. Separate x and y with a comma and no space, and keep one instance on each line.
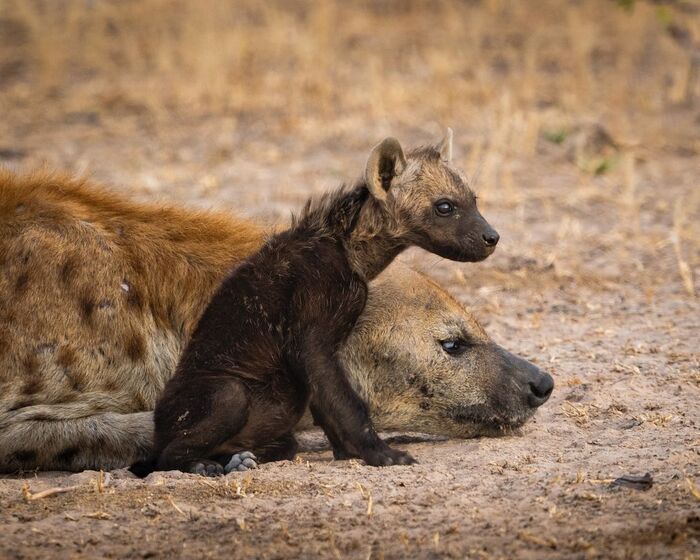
(423,363)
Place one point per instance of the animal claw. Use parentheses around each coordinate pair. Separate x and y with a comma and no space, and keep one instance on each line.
(241,462)
(207,468)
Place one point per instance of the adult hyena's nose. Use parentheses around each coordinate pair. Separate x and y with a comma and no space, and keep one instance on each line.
(541,385)
(490,237)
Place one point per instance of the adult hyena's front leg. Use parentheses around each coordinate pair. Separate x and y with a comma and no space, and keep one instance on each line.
(101,441)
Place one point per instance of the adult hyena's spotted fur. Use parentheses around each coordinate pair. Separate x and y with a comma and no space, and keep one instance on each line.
(98,296)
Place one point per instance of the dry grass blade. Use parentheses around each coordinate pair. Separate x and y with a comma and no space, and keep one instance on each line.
(98,515)
(100,482)
(175,506)
(31,496)
(534,539)
(684,269)
(694,490)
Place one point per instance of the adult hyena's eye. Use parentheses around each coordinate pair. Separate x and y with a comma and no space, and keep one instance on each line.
(444,207)
(454,346)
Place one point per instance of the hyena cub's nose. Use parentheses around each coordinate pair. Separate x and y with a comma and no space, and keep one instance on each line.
(491,237)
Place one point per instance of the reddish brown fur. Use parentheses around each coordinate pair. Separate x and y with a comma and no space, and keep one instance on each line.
(130,272)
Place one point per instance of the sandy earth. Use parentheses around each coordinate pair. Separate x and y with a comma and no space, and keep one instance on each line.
(586,282)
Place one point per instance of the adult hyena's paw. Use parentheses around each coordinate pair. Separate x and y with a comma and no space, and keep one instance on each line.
(387,457)
(241,462)
(205,467)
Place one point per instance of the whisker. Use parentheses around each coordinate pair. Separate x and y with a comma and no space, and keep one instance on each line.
(477,174)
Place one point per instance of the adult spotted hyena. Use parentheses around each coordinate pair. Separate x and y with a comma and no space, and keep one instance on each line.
(99,294)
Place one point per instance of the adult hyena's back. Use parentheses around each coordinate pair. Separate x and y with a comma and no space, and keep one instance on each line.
(97,297)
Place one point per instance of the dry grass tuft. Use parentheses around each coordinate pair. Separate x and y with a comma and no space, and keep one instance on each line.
(580,413)
(292,58)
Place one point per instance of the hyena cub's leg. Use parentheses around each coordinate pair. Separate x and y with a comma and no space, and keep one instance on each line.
(281,449)
(199,420)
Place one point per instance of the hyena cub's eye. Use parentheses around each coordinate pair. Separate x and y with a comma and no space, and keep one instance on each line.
(454,347)
(444,207)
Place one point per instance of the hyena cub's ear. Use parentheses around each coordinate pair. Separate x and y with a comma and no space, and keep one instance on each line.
(385,162)
(445,147)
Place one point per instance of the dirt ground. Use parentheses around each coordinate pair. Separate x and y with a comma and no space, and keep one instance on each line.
(595,280)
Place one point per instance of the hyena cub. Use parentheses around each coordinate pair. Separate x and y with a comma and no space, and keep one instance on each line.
(267,344)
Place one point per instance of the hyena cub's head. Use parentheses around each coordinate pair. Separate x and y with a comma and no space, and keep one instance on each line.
(429,201)
(424,364)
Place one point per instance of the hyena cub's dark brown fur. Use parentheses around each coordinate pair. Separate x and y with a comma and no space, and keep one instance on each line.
(267,344)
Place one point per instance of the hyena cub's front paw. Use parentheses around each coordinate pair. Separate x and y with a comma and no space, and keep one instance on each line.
(387,457)
(241,462)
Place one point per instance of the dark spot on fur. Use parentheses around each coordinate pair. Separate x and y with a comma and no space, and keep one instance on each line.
(30,365)
(67,455)
(20,208)
(176,236)
(21,283)
(110,386)
(425,405)
(25,257)
(87,306)
(74,379)
(136,347)
(24,456)
(133,299)
(67,398)
(136,263)
(425,390)
(33,385)
(41,418)
(66,357)
(68,270)
(29,401)
(173,321)
(140,402)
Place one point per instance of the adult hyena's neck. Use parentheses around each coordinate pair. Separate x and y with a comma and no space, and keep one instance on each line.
(367,231)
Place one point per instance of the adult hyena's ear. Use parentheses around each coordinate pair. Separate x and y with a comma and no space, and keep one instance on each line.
(385,162)
(445,147)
